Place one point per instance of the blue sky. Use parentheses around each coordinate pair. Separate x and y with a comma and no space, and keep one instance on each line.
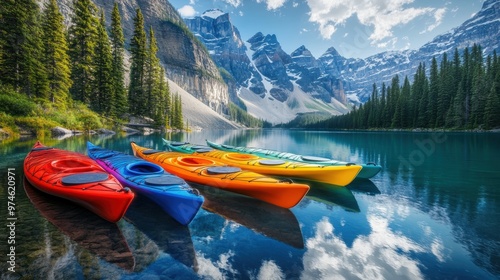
(356,28)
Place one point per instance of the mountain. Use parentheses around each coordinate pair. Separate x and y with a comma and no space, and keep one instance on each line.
(187,63)
(264,79)
(346,80)
(483,29)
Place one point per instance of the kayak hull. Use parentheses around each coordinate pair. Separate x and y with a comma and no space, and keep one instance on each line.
(367,170)
(69,174)
(171,193)
(340,175)
(199,170)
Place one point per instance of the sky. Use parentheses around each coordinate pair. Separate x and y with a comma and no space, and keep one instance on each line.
(355,28)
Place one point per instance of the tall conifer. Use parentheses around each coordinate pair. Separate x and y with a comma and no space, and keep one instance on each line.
(82,41)
(120,104)
(56,59)
(138,52)
(102,98)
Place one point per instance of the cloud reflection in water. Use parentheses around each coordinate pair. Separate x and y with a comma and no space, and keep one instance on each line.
(383,254)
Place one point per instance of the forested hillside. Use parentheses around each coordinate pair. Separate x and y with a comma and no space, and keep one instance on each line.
(462,92)
(61,76)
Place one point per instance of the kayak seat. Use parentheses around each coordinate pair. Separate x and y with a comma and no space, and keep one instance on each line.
(84,178)
(217,170)
(272,162)
(150,152)
(175,143)
(204,150)
(164,180)
(41,149)
(144,168)
(313,158)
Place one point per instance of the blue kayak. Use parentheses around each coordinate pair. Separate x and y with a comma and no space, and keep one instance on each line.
(172,193)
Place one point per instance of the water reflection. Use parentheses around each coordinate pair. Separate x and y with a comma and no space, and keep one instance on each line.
(267,219)
(383,254)
(171,237)
(101,238)
(363,186)
(332,195)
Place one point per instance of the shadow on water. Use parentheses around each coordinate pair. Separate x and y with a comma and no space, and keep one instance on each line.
(170,236)
(100,237)
(331,194)
(267,219)
(363,186)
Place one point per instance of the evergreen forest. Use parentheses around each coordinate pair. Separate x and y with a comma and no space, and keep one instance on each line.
(461,92)
(74,76)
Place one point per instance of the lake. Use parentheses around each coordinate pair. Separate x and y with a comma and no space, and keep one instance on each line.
(433,212)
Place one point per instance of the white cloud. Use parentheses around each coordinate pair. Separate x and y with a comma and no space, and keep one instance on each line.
(272,4)
(295,4)
(234,3)
(382,15)
(438,16)
(219,269)
(187,11)
(270,271)
(383,254)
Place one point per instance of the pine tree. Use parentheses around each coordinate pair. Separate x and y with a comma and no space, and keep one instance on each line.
(152,77)
(22,49)
(492,109)
(120,104)
(136,94)
(102,99)
(56,59)
(433,93)
(82,41)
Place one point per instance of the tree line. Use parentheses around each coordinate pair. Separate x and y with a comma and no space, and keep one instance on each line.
(47,62)
(459,93)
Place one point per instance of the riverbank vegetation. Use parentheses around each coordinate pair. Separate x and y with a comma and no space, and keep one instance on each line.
(74,77)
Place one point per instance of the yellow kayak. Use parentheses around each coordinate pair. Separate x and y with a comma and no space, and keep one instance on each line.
(336,175)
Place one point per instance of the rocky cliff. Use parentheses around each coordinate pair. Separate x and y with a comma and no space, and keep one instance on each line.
(185,59)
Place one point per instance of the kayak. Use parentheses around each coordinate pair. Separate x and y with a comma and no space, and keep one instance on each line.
(336,175)
(172,193)
(76,177)
(368,170)
(205,171)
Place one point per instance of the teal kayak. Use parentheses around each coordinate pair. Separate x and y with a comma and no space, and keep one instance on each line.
(368,170)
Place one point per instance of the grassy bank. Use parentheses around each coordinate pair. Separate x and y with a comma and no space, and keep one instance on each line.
(20,115)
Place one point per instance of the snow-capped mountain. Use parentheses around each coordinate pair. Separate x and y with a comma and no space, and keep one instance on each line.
(359,74)
(259,67)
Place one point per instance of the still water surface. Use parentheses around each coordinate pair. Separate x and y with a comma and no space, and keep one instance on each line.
(432,213)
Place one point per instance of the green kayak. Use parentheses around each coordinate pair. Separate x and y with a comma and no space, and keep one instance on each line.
(368,170)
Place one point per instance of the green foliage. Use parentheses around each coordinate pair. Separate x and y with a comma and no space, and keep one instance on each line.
(15,104)
(241,116)
(460,94)
(82,41)
(37,125)
(102,99)
(136,96)
(120,104)
(56,59)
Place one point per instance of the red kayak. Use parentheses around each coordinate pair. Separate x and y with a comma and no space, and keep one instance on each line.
(78,178)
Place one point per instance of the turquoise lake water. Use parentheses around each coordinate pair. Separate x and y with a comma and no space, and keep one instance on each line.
(432,213)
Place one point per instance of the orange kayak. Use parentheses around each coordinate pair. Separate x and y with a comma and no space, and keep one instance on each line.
(76,177)
(337,175)
(205,171)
